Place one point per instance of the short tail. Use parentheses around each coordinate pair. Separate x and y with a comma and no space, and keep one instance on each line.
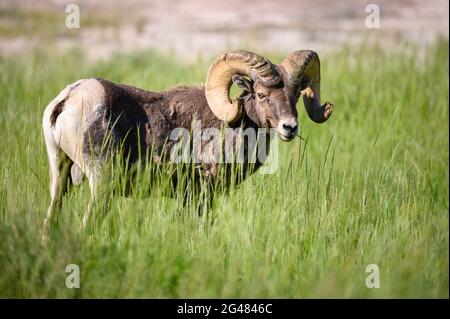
(57,105)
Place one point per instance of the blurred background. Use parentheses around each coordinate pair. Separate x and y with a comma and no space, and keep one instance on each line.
(204,27)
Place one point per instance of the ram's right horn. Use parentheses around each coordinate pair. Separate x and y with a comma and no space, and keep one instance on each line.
(303,67)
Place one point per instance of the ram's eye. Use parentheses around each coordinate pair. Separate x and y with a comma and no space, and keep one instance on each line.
(260,96)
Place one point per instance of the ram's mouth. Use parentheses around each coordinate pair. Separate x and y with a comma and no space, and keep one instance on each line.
(286,138)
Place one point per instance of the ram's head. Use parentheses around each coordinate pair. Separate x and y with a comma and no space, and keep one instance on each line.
(270,92)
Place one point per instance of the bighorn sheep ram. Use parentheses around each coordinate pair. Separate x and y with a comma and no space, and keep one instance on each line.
(77,121)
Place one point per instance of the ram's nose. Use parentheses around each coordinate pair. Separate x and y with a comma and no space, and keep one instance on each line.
(290,128)
(287,128)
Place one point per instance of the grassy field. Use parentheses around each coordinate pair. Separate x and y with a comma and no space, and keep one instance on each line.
(369,187)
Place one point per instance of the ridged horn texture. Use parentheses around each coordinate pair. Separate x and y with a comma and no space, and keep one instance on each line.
(218,81)
(303,67)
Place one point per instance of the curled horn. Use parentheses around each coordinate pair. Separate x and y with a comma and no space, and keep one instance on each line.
(303,67)
(219,81)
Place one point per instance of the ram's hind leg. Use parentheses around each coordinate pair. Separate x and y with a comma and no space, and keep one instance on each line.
(76,175)
(94,184)
(100,195)
(59,178)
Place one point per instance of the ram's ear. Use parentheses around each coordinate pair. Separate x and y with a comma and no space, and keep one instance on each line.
(243,83)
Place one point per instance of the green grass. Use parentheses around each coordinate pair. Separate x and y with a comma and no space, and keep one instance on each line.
(369,187)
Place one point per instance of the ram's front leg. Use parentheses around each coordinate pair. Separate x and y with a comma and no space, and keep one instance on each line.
(100,195)
(206,183)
